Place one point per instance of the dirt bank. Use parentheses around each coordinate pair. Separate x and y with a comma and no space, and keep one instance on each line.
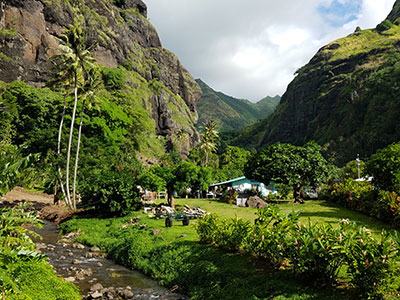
(41,202)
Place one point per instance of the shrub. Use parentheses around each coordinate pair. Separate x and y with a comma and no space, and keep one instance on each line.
(114,78)
(207,228)
(112,193)
(316,254)
(371,263)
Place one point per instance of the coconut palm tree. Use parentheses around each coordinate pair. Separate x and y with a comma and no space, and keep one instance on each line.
(75,62)
(92,83)
(208,140)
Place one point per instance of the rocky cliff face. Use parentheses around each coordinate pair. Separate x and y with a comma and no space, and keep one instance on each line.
(346,98)
(29,31)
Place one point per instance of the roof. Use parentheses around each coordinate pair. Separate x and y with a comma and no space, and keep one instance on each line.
(229,181)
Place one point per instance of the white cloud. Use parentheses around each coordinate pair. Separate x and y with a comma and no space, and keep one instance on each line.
(250,49)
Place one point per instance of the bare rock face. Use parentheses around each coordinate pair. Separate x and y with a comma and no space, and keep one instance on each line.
(29,32)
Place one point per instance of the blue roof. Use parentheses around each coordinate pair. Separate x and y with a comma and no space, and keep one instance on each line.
(229,181)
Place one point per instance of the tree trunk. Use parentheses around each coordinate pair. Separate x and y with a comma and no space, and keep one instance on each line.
(297,193)
(70,143)
(171,199)
(77,156)
(67,201)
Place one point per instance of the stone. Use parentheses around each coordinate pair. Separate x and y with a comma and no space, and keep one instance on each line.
(76,262)
(96,295)
(256,202)
(99,264)
(78,246)
(156,231)
(128,293)
(70,279)
(96,287)
(62,257)
(94,249)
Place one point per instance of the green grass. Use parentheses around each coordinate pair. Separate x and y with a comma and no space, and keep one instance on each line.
(364,42)
(175,257)
(318,211)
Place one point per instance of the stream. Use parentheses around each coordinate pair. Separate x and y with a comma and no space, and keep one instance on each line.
(96,276)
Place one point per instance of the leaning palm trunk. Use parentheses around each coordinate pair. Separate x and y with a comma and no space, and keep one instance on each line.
(70,144)
(67,201)
(77,156)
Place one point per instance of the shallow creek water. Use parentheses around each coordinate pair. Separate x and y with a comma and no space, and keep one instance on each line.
(106,272)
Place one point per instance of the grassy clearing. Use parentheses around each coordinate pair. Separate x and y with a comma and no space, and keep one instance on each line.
(318,211)
(175,257)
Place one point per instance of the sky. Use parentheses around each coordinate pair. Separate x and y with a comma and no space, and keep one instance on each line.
(251,49)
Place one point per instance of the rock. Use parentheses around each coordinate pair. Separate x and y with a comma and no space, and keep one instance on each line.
(99,264)
(256,202)
(96,287)
(96,295)
(70,279)
(78,246)
(76,262)
(80,276)
(70,254)
(128,294)
(94,249)
(156,231)
(62,257)
(40,246)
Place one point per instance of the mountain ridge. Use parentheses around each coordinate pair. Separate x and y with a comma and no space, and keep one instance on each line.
(231,113)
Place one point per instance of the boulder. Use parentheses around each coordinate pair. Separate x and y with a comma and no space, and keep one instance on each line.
(256,202)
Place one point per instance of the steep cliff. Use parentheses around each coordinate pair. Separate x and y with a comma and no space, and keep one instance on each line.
(347,97)
(29,32)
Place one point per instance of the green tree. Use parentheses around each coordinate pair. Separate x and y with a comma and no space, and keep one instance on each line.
(350,170)
(208,140)
(288,164)
(384,166)
(234,158)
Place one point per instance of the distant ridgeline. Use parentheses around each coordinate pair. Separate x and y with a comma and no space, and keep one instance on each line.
(346,98)
(145,84)
(231,113)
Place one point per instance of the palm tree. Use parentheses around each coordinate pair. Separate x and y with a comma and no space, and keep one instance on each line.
(76,60)
(208,140)
(92,83)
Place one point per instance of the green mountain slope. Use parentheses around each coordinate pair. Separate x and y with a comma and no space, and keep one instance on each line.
(347,97)
(231,113)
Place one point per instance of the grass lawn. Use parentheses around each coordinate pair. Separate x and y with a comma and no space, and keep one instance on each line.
(316,210)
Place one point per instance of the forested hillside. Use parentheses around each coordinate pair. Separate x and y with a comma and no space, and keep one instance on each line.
(231,113)
(346,98)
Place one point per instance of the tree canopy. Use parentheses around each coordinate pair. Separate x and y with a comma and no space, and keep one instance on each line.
(288,164)
(384,166)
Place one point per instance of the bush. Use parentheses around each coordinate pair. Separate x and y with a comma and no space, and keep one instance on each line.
(356,195)
(112,193)
(114,78)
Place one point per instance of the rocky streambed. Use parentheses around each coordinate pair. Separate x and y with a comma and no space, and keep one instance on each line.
(96,276)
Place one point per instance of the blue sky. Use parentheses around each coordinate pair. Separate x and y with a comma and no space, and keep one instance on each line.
(251,49)
(338,13)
